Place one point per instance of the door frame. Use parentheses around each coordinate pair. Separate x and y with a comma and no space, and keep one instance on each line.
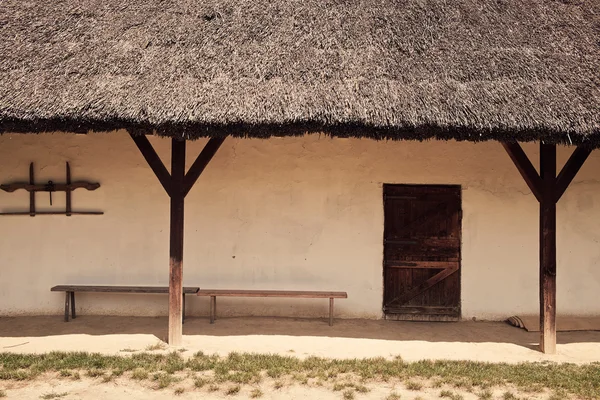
(423,317)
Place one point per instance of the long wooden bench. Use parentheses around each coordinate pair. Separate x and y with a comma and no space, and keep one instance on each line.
(213,293)
(71,289)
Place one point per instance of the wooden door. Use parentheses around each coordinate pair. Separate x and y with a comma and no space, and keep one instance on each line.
(422,252)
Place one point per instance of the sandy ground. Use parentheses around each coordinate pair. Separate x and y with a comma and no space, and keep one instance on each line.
(480,341)
(131,390)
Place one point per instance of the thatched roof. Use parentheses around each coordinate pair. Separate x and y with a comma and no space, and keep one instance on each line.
(468,69)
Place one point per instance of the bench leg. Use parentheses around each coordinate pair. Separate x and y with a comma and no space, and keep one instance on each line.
(215,307)
(212,309)
(183,310)
(73,305)
(67,299)
(331,311)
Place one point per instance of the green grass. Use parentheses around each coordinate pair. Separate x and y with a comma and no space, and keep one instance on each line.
(156,346)
(361,388)
(558,395)
(278,385)
(450,395)
(412,385)
(164,380)
(52,395)
(577,380)
(232,390)
(139,374)
(200,382)
(95,372)
(339,386)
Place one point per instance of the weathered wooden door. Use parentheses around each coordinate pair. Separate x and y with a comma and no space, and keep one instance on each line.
(422,252)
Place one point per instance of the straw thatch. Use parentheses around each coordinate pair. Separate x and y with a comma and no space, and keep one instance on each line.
(465,69)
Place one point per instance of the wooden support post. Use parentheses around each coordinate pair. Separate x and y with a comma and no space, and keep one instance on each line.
(548,188)
(212,309)
(548,249)
(32,193)
(73,305)
(177,184)
(176,243)
(68,192)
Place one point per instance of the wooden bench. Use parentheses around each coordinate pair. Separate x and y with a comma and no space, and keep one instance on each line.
(213,293)
(71,289)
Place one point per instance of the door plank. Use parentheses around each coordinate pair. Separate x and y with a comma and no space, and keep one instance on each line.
(422,264)
(414,292)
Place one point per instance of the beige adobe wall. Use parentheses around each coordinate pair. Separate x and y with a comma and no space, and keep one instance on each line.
(284,213)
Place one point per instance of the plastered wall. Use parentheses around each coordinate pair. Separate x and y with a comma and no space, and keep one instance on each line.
(284,213)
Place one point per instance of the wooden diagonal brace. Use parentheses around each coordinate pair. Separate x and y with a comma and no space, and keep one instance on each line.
(570,169)
(201,162)
(527,170)
(153,160)
(417,290)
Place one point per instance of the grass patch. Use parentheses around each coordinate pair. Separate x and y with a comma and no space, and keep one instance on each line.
(450,395)
(2,393)
(179,391)
(65,373)
(95,373)
(139,374)
(164,380)
(278,385)
(52,395)
(559,395)
(200,382)
(509,396)
(127,350)
(339,386)
(393,396)
(157,346)
(485,395)
(582,381)
(361,389)
(437,383)
(256,393)
(232,390)
(348,395)
(213,388)
(412,385)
